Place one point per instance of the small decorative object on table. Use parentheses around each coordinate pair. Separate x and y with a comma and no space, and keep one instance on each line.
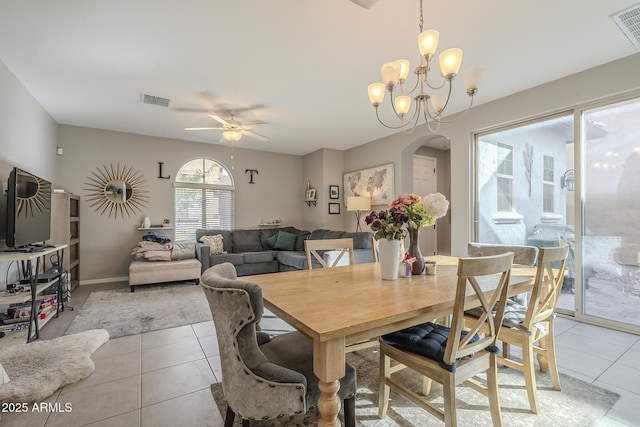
(387,226)
(421,212)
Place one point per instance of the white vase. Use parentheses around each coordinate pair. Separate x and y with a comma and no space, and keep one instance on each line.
(146,223)
(389,251)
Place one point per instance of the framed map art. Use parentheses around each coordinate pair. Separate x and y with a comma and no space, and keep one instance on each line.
(376,182)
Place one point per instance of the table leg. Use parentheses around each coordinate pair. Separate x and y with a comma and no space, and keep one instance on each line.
(328,365)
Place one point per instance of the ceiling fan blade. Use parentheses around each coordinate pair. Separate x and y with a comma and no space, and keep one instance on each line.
(219,119)
(191,110)
(255,135)
(203,128)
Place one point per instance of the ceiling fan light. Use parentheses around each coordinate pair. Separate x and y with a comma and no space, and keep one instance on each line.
(450,61)
(232,135)
(376,93)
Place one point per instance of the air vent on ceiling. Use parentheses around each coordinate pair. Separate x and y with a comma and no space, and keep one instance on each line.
(154,100)
(629,23)
(367,4)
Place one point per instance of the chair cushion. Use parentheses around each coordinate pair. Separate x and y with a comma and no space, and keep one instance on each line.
(295,351)
(427,339)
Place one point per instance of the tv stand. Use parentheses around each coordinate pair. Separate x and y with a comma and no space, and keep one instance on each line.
(35,286)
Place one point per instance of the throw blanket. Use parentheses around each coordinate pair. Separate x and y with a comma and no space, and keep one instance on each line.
(152,251)
(153,236)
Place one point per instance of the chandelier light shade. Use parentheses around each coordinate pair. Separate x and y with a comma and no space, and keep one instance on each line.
(403,100)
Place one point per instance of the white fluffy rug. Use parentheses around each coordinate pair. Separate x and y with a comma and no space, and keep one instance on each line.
(36,370)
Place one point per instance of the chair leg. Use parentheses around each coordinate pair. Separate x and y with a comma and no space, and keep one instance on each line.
(383,394)
(350,411)
(449,397)
(550,344)
(229,418)
(529,371)
(492,388)
(426,385)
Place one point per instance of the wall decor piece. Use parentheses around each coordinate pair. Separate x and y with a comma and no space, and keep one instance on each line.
(334,208)
(334,192)
(376,182)
(116,190)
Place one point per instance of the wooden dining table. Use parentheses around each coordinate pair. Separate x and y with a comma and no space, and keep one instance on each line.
(339,306)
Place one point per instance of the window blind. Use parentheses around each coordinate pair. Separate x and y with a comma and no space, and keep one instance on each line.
(202,208)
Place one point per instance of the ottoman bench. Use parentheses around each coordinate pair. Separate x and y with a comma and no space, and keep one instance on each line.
(144,273)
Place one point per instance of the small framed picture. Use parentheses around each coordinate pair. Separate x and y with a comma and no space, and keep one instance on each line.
(334,208)
(334,192)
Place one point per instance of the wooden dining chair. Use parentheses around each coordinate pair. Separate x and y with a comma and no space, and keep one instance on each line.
(452,355)
(524,326)
(311,248)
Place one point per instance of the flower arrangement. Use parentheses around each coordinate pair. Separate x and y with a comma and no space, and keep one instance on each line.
(421,211)
(387,224)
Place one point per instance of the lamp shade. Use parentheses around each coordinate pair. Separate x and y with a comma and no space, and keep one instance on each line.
(450,61)
(358,203)
(376,93)
(472,78)
(428,42)
(390,73)
(405,66)
(402,105)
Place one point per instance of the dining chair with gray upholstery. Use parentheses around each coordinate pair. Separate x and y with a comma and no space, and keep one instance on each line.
(263,377)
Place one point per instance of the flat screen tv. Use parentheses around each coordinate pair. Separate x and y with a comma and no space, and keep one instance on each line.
(28,210)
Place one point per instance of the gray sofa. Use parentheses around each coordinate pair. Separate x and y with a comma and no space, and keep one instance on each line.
(251,251)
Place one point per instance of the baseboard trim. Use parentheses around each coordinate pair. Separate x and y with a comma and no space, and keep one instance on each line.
(106,280)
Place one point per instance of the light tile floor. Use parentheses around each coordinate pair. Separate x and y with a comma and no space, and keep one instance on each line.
(162,378)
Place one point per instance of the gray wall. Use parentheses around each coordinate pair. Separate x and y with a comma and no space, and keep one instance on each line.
(106,243)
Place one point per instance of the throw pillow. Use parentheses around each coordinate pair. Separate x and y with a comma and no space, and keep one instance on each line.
(215,243)
(271,241)
(183,250)
(285,241)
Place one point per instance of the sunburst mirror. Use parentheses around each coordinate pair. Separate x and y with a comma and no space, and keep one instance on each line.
(116,191)
(33,196)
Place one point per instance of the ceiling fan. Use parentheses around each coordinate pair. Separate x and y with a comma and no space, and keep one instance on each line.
(232,129)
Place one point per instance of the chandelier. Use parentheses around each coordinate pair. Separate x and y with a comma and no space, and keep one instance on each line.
(394,75)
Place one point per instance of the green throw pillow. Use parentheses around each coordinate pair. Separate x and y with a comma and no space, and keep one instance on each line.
(271,241)
(285,241)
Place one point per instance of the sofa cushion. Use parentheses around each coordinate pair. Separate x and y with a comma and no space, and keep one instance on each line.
(267,235)
(317,234)
(235,259)
(330,234)
(256,257)
(226,237)
(246,241)
(215,243)
(361,240)
(285,241)
(293,259)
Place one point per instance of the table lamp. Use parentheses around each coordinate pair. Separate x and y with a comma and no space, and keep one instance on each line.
(358,204)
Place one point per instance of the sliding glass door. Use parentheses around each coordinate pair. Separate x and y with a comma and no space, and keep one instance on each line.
(611,213)
(525,186)
(535,186)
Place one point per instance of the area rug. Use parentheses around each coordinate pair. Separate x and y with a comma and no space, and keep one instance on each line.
(578,404)
(36,370)
(149,308)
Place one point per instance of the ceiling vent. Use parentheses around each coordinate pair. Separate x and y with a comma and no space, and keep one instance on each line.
(154,100)
(629,23)
(367,4)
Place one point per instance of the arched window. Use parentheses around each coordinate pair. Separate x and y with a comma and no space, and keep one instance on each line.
(203,198)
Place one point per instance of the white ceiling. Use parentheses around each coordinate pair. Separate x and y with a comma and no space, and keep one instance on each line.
(307,63)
